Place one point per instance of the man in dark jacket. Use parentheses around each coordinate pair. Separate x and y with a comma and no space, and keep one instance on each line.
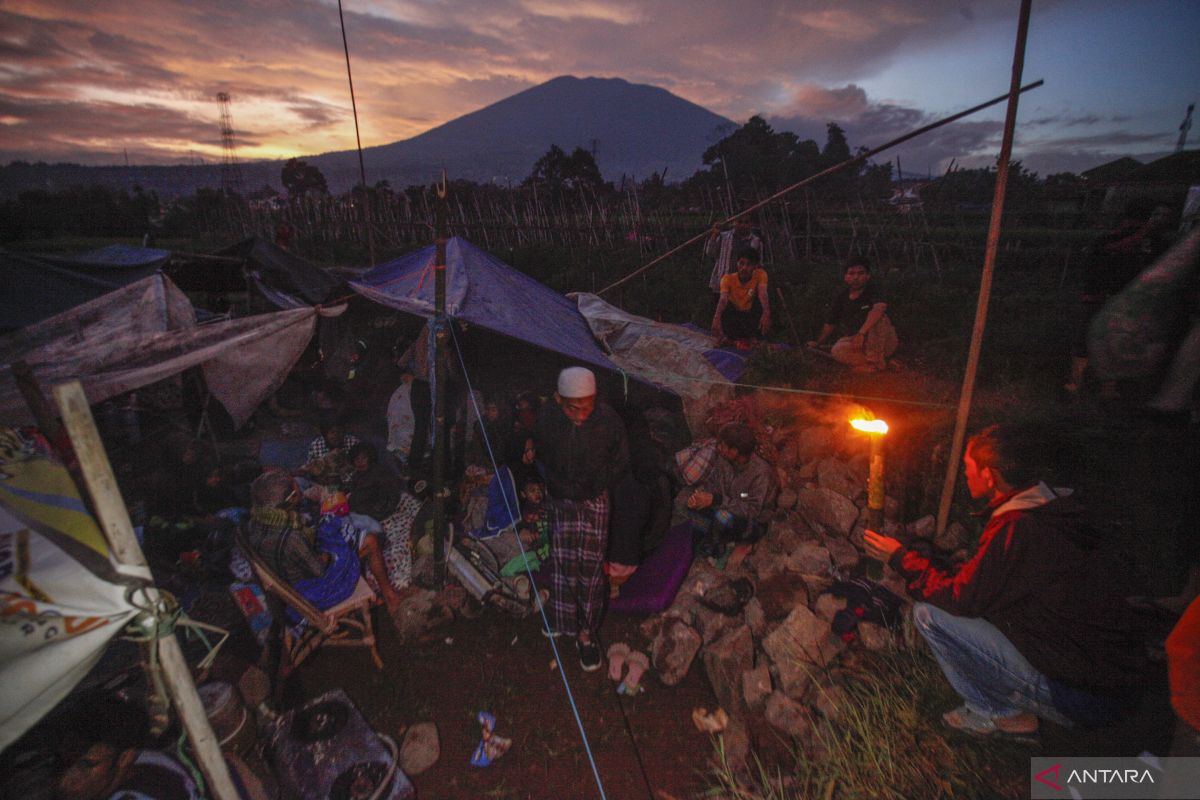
(1029,628)
(582,447)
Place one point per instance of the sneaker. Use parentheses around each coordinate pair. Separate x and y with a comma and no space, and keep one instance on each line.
(551,634)
(589,655)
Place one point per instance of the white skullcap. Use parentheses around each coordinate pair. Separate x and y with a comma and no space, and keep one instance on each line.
(576,382)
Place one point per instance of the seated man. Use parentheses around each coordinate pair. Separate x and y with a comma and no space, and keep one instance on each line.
(733,502)
(1029,627)
(858,317)
(744,310)
(333,437)
(322,565)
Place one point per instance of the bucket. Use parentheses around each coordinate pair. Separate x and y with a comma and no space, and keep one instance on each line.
(231,721)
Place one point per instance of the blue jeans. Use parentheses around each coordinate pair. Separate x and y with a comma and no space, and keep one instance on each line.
(984,667)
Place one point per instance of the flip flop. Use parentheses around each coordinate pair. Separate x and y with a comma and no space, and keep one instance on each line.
(617,652)
(974,724)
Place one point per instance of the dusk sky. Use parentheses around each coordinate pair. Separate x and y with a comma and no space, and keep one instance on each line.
(89,81)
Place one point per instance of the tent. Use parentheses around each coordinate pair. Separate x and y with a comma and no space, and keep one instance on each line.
(61,596)
(34,287)
(484,291)
(146,332)
(282,279)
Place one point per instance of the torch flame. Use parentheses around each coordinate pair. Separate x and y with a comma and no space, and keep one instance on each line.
(870,425)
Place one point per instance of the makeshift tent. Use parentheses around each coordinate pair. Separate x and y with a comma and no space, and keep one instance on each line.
(145,332)
(484,291)
(34,287)
(61,597)
(674,357)
(282,279)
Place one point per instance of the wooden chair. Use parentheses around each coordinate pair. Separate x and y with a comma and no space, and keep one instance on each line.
(347,624)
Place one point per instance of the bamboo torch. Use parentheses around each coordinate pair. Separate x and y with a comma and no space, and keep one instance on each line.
(875,429)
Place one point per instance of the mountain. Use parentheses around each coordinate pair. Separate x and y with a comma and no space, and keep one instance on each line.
(634,129)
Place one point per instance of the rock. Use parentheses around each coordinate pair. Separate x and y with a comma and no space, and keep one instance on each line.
(829,699)
(780,594)
(453,597)
(788,716)
(713,624)
(813,442)
(755,617)
(891,507)
(953,538)
(421,748)
(828,508)
(845,555)
(923,528)
(756,685)
(827,606)
(674,649)
(800,646)
(781,537)
(807,471)
(817,584)
(253,686)
(808,558)
(875,637)
(840,477)
(787,499)
(893,582)
(724,662)
(418,613)
(735,743)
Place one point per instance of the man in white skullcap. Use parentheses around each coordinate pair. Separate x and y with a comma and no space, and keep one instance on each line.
(582,448)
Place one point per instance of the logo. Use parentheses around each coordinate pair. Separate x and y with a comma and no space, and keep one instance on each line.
(1043,777)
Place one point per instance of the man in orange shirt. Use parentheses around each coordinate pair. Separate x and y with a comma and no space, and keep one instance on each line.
(744,310)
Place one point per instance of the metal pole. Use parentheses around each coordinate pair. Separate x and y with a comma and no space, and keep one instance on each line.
(439,400)
(828,171)
(989,266)
(118,530)
(362,171)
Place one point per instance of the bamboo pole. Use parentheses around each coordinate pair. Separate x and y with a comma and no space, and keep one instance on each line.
(989,266)
(863,156)
(118,530)
(439,401)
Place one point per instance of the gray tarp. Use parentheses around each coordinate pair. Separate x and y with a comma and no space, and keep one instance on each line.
(145,332)
(669,356)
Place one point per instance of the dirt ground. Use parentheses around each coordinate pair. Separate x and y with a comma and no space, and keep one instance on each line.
(644,747)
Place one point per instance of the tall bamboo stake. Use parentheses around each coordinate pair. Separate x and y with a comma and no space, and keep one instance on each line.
(439,403)
(989,266)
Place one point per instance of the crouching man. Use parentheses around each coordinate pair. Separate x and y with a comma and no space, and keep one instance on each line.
(1029,628)
(733,503)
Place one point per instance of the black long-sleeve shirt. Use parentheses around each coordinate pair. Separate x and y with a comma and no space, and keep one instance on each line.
(581,461)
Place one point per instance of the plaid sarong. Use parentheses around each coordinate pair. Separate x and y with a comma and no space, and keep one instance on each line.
(579,540)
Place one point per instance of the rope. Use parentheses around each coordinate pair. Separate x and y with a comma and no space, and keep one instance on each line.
(512,515)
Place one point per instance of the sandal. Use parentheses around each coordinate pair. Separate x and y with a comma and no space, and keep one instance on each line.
(975,724)
(617,651)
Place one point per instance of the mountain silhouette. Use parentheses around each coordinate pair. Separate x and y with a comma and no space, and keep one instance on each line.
(632,129)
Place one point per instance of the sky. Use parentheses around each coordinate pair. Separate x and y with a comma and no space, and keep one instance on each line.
(105,82)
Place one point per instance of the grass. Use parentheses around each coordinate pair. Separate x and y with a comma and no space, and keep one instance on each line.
(888,743)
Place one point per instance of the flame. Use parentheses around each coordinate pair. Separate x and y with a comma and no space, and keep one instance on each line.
(870,425)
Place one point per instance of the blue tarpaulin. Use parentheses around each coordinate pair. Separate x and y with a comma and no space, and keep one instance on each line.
(485,292)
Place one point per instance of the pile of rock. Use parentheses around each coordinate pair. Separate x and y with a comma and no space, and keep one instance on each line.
(778,659)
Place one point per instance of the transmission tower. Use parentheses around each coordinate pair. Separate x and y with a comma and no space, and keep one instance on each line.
(1184,127)
(231,171)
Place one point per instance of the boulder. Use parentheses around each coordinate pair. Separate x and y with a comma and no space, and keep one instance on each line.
(800,646)
(829,699)
(419,613)
(788,716)
(421,748)
(827,606)
(735,743)
(829,508)
(813,442)
(787,499)
(923,528)
(711,625)
(951,539)
(845,555)
(724,662)
(809,558)
(674,649)
(817,584)
(840,477)
(756,617)
(807,471)
(780,594)
(891,507)
(756,685)
(875,637)
(781,537)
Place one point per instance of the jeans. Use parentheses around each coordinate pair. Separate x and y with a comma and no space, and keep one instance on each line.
(984,667)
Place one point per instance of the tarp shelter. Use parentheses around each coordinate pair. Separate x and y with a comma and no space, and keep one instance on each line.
(61,596)
(34,287)
(146,332)
(486,292)
(282,279)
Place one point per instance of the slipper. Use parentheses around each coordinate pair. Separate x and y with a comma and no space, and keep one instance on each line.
(973,724)
(638,664)
(617,651)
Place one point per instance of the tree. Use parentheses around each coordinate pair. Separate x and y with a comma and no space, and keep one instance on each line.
(758,161)
(562,172)
(299,178)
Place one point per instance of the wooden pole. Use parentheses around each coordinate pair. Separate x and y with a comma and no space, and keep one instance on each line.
(118,530)
(989,266)
(863,156)
(439,401)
